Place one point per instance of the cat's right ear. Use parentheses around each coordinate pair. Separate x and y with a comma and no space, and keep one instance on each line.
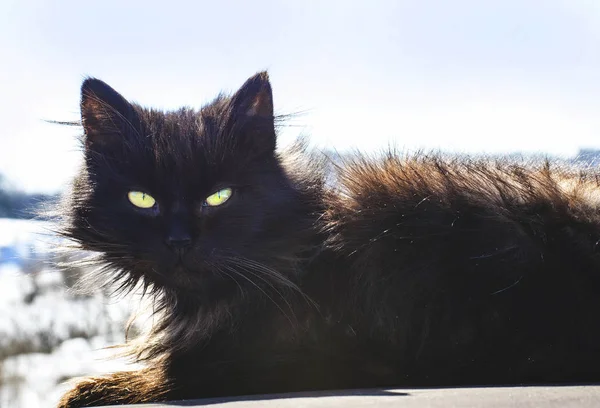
(252,114)
(105,114)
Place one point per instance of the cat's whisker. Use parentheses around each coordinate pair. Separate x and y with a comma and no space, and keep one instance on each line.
(263,292)
(220,270)
(275,289)
(260,268)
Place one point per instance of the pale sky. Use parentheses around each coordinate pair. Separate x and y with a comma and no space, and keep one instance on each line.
(461,75)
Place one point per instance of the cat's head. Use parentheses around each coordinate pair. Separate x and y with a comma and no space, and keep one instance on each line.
(192,201)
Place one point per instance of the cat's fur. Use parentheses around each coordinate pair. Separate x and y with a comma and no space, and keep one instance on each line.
(417,270)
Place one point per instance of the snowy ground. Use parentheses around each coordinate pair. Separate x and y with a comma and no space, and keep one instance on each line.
(48,332)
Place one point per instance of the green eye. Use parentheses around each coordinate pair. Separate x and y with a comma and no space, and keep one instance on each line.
(218,198)
(141,200)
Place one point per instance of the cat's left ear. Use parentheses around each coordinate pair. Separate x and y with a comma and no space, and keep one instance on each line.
(106,116)
(252,112)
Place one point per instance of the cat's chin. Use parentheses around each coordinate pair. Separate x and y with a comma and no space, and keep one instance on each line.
(181,280)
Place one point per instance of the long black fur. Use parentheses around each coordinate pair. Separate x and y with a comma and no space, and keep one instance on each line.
(399,270)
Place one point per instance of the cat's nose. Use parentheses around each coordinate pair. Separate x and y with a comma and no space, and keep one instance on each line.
(179,242)
(178,236)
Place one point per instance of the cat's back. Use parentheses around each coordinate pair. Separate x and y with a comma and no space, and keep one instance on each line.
(419,199)
(474,265)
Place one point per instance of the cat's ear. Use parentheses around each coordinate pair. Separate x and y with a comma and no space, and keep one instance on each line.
(252,111)
(255,98)
(105,114)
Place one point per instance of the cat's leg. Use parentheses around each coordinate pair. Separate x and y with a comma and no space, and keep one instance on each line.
(128,387)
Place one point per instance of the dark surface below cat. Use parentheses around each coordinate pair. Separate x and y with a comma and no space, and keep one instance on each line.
(402,271)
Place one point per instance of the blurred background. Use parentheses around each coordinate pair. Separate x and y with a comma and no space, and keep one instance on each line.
(465,76)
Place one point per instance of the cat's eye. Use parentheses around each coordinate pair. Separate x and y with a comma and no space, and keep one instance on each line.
(218,198)
(141,199)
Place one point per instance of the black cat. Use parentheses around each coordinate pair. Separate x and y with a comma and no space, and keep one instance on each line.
(397,271)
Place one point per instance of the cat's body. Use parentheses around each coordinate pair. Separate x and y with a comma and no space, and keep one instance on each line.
(404,271)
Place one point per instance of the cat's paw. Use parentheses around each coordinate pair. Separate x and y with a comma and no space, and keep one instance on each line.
(120,388)
(86,393)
